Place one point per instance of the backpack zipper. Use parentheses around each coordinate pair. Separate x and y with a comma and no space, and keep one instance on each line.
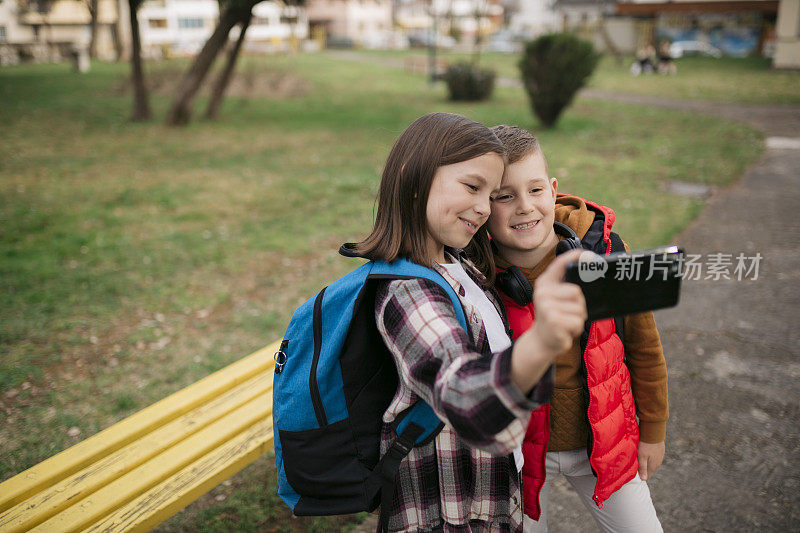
(313,388)
(281,357)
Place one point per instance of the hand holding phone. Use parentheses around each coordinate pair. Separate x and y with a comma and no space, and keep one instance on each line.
(560,309)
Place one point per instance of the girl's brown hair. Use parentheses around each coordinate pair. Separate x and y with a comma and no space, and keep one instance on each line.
(431,141)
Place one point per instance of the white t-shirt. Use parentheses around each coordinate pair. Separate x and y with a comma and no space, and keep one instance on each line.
(492,322)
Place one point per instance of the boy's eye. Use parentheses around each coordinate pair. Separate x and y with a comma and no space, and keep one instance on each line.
(537,189)
(502,198)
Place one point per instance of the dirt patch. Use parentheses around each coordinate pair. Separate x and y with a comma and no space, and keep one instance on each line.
(247,82)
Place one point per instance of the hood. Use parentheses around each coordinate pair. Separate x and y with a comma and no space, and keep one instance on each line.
(578,214)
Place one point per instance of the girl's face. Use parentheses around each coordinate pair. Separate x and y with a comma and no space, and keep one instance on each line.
(458,202)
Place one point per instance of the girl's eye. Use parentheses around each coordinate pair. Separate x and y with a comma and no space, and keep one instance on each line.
(473,188)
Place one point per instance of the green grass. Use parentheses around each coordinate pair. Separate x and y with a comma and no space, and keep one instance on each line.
(748,80)
(135,258)
(739,80)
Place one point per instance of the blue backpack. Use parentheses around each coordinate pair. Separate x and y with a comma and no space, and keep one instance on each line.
(334,379)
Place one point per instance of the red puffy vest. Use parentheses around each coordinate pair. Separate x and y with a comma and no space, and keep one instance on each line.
(614,436)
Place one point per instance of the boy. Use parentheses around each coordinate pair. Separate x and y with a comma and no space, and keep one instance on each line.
(589,432)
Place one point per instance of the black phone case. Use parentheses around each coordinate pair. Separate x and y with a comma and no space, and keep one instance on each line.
(634,282)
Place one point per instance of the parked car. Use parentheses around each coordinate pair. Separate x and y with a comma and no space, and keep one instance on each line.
(333,41)
(504,41)
(688,48)
(423,40)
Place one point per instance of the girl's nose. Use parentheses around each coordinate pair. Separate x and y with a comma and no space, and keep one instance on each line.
(484,206)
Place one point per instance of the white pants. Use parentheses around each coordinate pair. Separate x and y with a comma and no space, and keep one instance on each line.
(629,509)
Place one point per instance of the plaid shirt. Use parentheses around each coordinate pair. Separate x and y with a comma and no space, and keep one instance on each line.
(466,478)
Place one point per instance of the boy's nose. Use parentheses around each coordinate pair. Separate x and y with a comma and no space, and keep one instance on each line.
(524,205)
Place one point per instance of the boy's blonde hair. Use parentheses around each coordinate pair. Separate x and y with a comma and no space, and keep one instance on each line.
(519,142)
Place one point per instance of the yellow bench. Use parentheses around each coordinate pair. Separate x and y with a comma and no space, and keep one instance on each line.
(142,470)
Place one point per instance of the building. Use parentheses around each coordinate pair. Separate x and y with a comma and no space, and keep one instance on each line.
(276,26)
(738,28)
(469,19)
(456,21)
(597,21)
(181,27)
(593,20)
(532,18)
(363,23)
(787,42)
(51,31)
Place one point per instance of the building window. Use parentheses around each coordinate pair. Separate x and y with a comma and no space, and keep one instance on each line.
(3,35)
(157,23)
(186,23)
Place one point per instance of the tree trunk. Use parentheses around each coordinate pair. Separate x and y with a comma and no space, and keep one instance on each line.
(181,110)
(117,41)
(224,78)
(93,6)
(141,105)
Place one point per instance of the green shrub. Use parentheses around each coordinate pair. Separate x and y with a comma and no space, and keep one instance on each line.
(466,81)
(553,68)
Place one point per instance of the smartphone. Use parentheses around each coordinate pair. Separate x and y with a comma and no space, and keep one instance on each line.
(623,283)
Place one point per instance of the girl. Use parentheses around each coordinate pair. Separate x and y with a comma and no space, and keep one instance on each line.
(433,200)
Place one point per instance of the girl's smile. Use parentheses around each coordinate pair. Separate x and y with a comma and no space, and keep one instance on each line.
(472,226)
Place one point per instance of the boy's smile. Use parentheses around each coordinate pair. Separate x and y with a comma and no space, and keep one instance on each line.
(523,210)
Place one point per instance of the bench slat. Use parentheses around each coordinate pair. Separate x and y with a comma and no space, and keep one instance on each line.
(94,506)
(54,499)
(163,501)
(55,469)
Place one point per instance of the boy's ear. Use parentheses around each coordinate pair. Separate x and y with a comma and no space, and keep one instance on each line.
(554,186)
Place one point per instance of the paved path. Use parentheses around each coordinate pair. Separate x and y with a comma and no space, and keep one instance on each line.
(733,351)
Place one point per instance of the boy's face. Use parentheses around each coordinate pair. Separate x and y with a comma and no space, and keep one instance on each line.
(521,223)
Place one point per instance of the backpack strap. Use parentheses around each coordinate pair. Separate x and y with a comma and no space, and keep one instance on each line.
(419,424)
(405,269)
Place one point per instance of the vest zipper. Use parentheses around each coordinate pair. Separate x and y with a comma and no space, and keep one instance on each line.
(588,397)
